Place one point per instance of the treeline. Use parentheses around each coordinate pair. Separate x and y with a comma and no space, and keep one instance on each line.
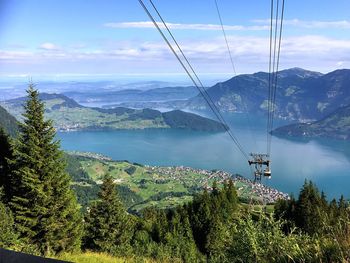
(215,227)
(39,214)
(311,212)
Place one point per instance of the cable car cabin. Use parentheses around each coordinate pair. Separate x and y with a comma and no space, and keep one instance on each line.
(259,160)
(267,173)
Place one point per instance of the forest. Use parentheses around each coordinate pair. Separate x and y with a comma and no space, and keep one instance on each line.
(40,214)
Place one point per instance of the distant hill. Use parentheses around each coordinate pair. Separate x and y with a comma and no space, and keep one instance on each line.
(68,115)
(335,125)
(301,95)
(182,120)
(126,96)
(8,122)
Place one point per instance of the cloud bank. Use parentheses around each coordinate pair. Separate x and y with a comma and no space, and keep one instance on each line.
(178,26)
(249,53)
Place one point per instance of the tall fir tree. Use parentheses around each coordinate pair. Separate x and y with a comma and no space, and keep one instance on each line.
(46,212)
(6,154)
(108,225)
(309,209)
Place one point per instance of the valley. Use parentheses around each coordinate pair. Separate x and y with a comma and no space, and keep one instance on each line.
(165,144)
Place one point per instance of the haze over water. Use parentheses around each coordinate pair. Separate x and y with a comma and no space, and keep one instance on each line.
(325,162)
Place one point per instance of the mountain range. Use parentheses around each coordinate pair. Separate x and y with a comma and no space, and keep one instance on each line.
(317,101)
(300,95)
(114,98)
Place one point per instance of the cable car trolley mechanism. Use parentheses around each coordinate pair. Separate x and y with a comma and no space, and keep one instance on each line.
(259,160)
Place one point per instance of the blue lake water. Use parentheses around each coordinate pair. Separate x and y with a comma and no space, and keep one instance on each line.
(325,162)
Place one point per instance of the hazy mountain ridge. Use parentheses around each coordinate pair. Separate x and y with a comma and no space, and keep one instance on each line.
(11,89)
(68,115)
(116,97)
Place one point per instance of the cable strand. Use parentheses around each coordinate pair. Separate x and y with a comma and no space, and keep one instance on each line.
(201,89)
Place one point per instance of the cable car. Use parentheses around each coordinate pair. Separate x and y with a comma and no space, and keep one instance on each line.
(259,160)
(267,173)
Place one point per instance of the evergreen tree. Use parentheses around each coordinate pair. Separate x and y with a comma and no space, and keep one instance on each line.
(333,208)
(108,226)
(6,154)
(285,209)
(217,240)
(199,211)
(208,212)
(179,238)
(45,209)
(309,214)
(342,207)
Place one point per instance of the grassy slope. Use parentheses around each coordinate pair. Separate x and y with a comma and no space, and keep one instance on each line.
(142,182)
(151,186)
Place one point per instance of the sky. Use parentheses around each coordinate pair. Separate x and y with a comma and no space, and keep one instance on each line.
(116,37)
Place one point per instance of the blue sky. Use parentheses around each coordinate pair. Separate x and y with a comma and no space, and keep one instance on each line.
(115,37)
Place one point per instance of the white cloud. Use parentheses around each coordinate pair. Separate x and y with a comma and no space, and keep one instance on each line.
(260,24)
(339,24)
(177,26)
(250,54)
(340,63)
(49,46)
(12,55)
(342,24)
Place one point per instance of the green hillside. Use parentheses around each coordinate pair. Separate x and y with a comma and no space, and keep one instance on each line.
(8,122)
(142,186)
(68,115)
(336,125)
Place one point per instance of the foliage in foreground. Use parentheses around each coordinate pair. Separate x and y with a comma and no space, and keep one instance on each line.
(95,257)
(213,228)
(8,236)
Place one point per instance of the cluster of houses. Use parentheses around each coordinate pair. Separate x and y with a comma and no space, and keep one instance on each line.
(260,191)
(264,193)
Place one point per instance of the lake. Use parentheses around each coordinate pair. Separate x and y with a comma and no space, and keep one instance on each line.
(325,162)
